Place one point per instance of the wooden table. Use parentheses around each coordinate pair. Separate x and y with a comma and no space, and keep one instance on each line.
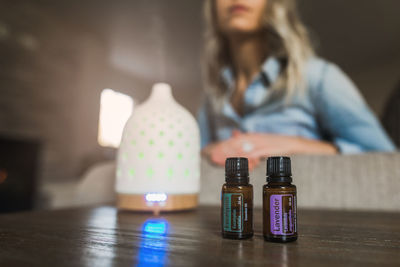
(102,236)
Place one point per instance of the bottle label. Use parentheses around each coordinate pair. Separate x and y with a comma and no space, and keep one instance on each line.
(283,214)
(232,212)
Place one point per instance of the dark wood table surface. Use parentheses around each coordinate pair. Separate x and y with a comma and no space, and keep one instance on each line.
(102,236)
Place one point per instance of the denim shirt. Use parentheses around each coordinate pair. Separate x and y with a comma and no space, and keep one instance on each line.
(330,108)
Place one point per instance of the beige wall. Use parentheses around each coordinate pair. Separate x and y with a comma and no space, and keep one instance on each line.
(363,38)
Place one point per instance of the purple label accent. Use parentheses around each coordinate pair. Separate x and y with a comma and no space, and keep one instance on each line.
(276,214)
(281,214)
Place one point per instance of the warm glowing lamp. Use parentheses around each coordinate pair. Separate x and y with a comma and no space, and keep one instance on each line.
(158,165)
(115,109)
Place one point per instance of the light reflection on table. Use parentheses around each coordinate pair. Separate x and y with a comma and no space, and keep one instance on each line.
(153,244)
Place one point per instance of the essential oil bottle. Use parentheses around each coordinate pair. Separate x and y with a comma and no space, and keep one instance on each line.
(279,202)
(237,200)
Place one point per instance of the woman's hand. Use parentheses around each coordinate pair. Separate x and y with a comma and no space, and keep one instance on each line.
(256,146)
(218,152)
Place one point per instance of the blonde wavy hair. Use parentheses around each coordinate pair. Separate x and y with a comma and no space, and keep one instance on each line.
(286,36)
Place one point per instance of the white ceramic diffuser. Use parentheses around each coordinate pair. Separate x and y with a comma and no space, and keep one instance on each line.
(158,164)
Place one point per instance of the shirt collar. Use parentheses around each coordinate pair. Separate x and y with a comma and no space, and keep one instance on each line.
(270,68)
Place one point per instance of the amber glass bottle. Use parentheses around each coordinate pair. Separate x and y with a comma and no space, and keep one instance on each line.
(279,202)
(237,200)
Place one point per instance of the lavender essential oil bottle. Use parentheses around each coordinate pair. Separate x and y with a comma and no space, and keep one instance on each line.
(279,202)
(237,200)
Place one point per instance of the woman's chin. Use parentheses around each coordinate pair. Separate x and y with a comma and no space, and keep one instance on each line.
(241,29)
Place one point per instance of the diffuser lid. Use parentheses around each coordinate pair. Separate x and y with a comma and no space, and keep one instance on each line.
(161,92)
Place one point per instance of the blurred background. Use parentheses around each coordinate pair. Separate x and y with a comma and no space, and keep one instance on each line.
(58,57)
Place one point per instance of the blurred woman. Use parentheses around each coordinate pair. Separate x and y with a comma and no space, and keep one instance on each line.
(268,93)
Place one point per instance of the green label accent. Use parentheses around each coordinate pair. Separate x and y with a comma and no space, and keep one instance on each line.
(232,217)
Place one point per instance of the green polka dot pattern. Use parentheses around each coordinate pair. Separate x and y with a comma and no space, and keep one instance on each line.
(150,172)
(180,139)
(170,173)
(157,121)
(159,150)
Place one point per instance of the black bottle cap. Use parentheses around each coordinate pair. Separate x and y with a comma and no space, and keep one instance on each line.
(236,170)
(279,169)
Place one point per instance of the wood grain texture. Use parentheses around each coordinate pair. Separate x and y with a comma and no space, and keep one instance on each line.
(173,202)
(105,237)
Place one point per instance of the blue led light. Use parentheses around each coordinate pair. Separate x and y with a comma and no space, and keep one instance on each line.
(158,227)
(153,250)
